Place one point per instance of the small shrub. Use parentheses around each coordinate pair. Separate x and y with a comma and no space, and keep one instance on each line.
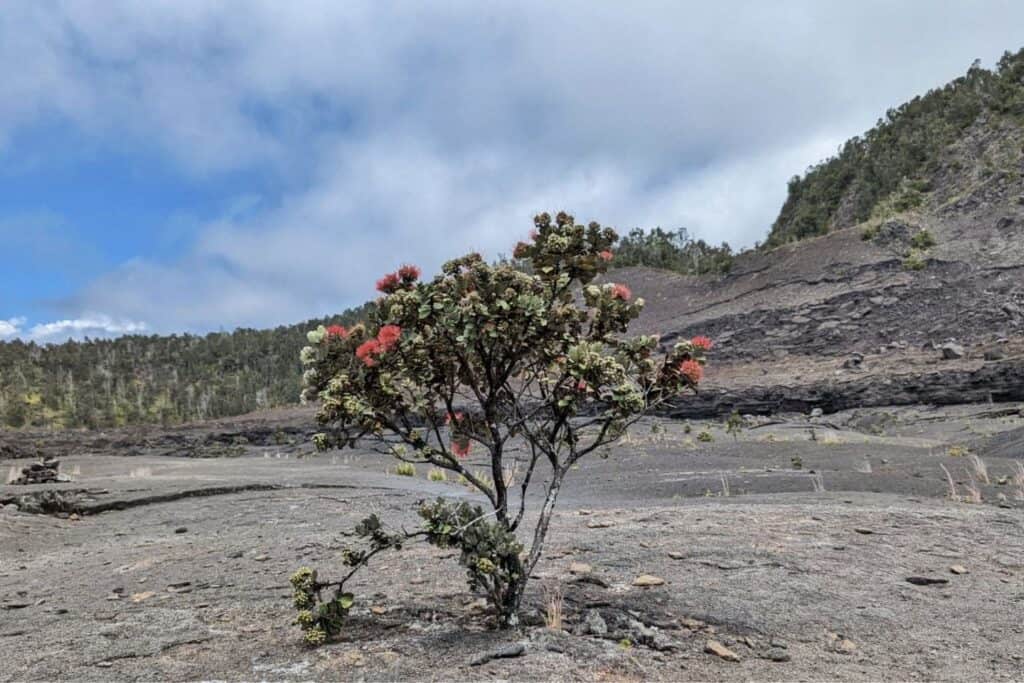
(922,240)
(915,260)
(734,425)
(871,232)
(436,474)
(797,462)
(492,358)
(705,437)
(687,428)
(405,469)
(957,451)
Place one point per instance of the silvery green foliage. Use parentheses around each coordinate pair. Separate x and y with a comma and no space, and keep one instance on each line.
(520,368)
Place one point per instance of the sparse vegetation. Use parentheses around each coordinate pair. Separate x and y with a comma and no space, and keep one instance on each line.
(922,240)
(705,437)
(437,474)
(405,469)
(915,260)
(734,425)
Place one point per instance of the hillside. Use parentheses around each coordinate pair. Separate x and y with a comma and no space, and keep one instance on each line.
(899,162)
(152,379)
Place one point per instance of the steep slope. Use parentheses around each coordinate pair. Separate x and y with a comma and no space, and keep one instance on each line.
(898,161)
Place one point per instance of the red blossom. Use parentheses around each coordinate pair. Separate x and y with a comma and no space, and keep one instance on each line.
(621,292)
(606,255)
(388,283)
(461,448)
(409,274)
(388,336)
(456,417)
(533,234)
(366,352)
(691,370)
(581,386)
(701,342)
(336,331)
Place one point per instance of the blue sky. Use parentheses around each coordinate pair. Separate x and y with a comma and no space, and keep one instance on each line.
(193,166)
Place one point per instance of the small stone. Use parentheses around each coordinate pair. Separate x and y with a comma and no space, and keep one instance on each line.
(926,581)
(580,568)
(951,351)
(105,664)
(506,652)
(863,531)
(181,530)
(778,655)
(817,412)
(377,609)
(692,624)
(594,624)
(846,646)
(676,555)
(74,517)
(261,558)
(958,569)
(599,524)
(139,597)
(648,580)
(716,648)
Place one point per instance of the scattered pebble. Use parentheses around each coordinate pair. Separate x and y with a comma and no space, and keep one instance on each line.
(580,568)
(846,646)
(958,569)
(716,648)
(648,580)
(181,530)
(505,652)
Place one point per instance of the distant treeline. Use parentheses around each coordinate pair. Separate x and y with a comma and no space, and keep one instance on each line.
(153,379)
(675,251)
(899,155)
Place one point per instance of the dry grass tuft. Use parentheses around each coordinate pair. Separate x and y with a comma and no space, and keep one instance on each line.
(952,492)
(725,485)
(978,469)
(554,605)
(1018,480)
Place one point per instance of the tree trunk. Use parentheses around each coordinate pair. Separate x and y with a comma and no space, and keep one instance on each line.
(508,610)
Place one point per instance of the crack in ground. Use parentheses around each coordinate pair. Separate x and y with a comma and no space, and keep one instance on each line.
(54,502)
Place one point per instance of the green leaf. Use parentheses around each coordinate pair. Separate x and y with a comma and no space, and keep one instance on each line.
(346,600)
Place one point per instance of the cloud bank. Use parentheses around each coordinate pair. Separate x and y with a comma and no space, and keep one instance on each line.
(406,133)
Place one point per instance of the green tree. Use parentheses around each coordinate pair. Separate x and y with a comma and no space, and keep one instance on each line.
(531,370)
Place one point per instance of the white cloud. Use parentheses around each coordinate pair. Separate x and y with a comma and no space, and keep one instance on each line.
(11,327)
(399,132)
(89,326)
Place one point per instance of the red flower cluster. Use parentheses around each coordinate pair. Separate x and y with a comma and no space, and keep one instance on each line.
(581,386)
(691,370)
(388,336)
(336,331)
(386,339)
(404,276)
(703,343)
(460,448)
(621,292)
(606,255)
(534,234)
(456,417)
(366,352)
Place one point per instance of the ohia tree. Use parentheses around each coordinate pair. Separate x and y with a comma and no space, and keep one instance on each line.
(522,372)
